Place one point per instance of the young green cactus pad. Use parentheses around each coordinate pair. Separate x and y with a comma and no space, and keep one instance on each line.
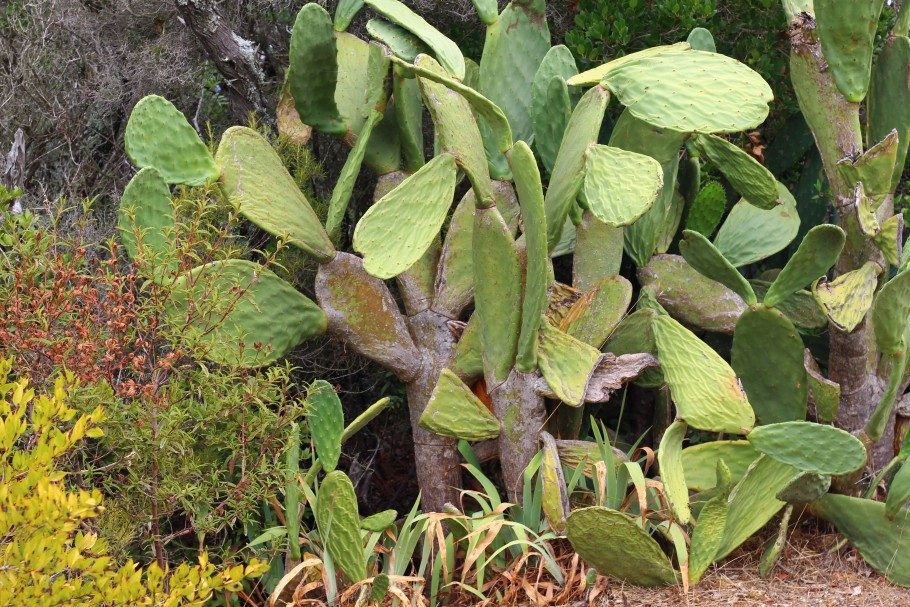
(689,296)
(704,387)
(158,135)
(597,74)
(711,93)
(704,257)
(847,298)
(701,39)
(750,234)
(800,308)
(568,171)
(537,275)
(146,207)
(823,392)
(767,356)
(339,525)
(255,180)
(883,543)
(753,181)
(607,303)
(400,41)
(396,231)
(362,311)
(700,462)
(805,488)
(456,128)
(313,70)
(551,103)
(898,492)
(408,106)
(454,282)
(707,209)
(598,251)
(672,473)
(888,103)
(555,502)
(468,360)
(707,536)
(847,34)
(497,293)
(753,502)
(380,521)
(223,303)
(810,447)
(326,419)
(566,363)
(616,546)
(454,411)
(363,71)
(816,254)
(891,314)
(620,186)
(345,13)
(874,168)
(515,45)
(446,51)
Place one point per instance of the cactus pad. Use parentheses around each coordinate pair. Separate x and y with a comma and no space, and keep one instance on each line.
(672,473)
(446,51)
(701,39)
(597,74)
(689,296)
(396,231)
(707,537)
(380,521)
(361,88)
(847,34)
(568,171)
(888,103)
(361,310)
(700,462)
(603,308)
(801,308)
(750,234)
(891,314)
(753,181)
(454,284)
(612,542)
(598,251)
(146,206)
(227,305)
(874,168)
(883,543)
(805,488)
(888,240)
(159,136)
(707,209)
(847,298)
(810,447)
(400,41)
(753,502)
(468,361)
(554,501)
(767,355)
(566,363)
(313,69)
(497,293)
(703,386)
(816,254)
(256,181)
(339,525)
(551,104)
(823,392)
(454,411)
(711,93)
(326,419)
(704,257)
(345,13)
(898,492)
(530,195)
(620,186)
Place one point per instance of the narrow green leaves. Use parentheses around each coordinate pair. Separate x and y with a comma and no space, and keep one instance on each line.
(396,231)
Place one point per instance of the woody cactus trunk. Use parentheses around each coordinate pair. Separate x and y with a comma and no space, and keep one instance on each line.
(834,75)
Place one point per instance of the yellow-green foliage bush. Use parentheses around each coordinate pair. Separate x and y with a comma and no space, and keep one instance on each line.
(48,554)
